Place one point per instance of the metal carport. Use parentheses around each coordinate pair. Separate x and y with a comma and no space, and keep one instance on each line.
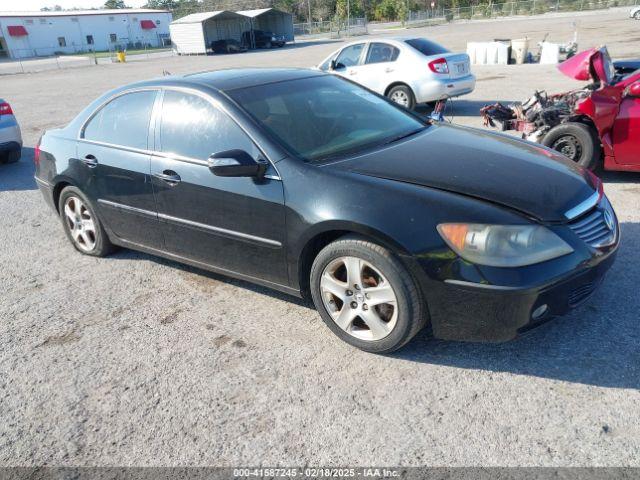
(194,33)
(271,20)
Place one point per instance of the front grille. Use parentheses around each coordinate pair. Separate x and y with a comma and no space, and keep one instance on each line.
(593,227)
(582,293)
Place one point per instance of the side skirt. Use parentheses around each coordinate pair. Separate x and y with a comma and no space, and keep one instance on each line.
(229,273)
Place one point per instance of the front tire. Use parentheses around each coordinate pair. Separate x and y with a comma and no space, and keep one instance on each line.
(637,15)
(366,296)
(81,224)
(576,141)
(402,95)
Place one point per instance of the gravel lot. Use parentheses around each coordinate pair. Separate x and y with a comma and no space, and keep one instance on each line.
(132,360)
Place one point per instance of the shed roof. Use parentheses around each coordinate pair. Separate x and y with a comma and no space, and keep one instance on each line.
(259,11)
(204,16)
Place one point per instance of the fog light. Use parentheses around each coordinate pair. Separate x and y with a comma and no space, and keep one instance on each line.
(540,312)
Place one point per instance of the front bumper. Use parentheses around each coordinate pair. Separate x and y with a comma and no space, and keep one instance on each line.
(439,89)
(485,313)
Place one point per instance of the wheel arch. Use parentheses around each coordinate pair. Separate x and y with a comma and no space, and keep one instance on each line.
(398,84)
(60,184)
(325,233)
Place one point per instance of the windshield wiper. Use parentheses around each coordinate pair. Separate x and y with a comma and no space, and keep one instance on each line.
(404,135)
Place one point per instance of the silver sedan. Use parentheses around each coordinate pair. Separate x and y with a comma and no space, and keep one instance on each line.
(408,70)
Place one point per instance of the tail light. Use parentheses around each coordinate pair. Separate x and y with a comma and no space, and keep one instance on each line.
(439,66)
(36,152)
(5,109)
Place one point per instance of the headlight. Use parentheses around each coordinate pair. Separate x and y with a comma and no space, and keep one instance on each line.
(503,245)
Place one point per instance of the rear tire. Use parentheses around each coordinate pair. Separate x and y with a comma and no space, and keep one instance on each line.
(402,95)
(82,225)
(576,141)
(366,296)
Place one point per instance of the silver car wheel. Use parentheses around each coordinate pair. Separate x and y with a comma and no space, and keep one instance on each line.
(360,300)
(80,223)
(400,98)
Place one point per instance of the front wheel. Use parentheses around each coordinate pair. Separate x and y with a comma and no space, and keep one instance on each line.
(576,141)
(402,95)
(637,15)
(366,296)
(81,224)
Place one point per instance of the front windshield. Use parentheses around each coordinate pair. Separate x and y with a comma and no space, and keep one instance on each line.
(324,117)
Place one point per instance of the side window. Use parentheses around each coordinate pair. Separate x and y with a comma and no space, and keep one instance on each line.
(123,121)
(349,56)
(382,52)
(191,127)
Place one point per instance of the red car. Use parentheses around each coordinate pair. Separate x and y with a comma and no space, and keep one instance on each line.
(595,125)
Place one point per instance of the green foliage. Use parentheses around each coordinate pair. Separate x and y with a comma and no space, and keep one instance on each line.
(112,4)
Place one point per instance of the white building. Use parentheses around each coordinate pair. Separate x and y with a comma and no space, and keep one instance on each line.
(35,34)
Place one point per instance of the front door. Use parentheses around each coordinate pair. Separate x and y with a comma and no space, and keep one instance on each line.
(232,223)
(348,61)
(626,132)
(113,151)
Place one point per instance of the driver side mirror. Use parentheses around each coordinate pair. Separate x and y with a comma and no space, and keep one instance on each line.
(236,163)
(633,90)
(336,65)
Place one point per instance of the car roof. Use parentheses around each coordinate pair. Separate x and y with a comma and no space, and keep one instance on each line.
(232,79)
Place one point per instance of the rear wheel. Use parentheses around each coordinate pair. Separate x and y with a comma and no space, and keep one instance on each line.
(637,15)
(576,141)
(366,296)
(402,95)
(81,224)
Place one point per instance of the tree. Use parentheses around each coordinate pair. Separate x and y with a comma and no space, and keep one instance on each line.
(162,4)
(113,4)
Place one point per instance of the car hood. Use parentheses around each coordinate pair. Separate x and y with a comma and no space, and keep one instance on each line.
(593,64)
(523,176)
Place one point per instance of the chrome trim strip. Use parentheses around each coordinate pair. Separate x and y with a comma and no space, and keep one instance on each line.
(42,182)
(121,206)
(221,231)
(583,207)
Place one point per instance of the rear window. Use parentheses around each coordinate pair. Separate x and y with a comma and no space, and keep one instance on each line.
(426,47)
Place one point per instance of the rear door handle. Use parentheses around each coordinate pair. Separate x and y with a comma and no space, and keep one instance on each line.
(168,176)
(90,161)
(388,70)
(352,72)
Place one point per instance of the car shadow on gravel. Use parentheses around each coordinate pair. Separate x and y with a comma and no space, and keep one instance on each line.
(596,344)
(18,176)
(206,276)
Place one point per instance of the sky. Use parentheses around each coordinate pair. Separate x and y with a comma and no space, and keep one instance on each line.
(26,5)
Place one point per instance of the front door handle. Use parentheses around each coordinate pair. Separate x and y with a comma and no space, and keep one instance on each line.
(90,161)
(352,72)
(388,70)
(168,176)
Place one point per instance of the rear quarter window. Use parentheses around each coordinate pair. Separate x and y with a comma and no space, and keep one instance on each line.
(426,47)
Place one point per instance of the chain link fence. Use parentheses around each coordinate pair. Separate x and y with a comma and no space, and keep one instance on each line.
(333,28)
(506,9)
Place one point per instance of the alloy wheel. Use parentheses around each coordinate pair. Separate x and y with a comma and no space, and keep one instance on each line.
(569,146)
(400,98)
(359,298)
(80,223)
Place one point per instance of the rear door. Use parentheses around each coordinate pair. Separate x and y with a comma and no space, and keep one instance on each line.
(379,66)
(231,223)
(114,158)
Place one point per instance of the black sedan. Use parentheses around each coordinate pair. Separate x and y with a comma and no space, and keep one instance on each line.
(312,185)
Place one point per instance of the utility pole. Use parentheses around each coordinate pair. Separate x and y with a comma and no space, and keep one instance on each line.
(348,19)
(309,4)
